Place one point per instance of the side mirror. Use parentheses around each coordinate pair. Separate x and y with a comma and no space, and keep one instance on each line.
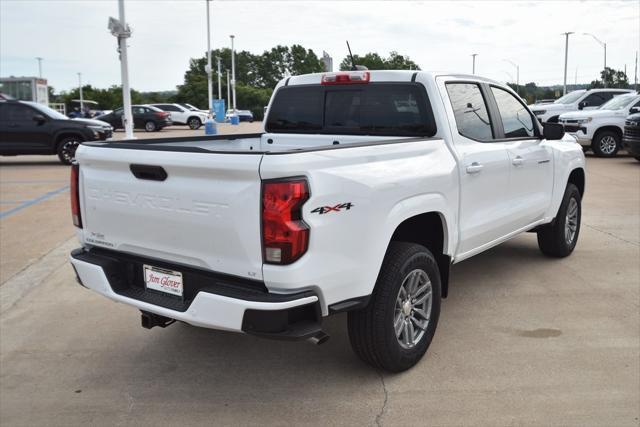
(634,110)
(552,131)
(39,118)
(582,105)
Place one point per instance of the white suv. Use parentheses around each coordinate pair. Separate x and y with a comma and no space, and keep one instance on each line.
(583,99)
(183,116)
(601,129)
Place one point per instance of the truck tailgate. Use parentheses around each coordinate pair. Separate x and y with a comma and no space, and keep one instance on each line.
(205,214)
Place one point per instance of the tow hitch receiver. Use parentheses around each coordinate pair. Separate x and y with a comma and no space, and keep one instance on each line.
(149,320)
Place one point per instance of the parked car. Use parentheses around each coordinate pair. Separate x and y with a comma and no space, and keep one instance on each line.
(631,137)
(183,116)
(366,187)
(601,129)
(146,117)
(32,128)
(583,99)
(544,101)
(243,115)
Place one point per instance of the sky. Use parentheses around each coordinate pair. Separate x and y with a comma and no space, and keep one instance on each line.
(72,36)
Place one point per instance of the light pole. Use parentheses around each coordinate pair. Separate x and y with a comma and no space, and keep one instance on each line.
(233,73)
(566,60)
(473,70)
(39,66)
(219,81)
(517,75)
(604,45)
(81,100)
(121,30)
(228,92)
(209,82)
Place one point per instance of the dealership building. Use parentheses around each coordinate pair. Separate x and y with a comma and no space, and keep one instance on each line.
(25,89)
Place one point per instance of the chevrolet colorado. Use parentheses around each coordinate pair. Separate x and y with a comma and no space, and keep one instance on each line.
(363,190)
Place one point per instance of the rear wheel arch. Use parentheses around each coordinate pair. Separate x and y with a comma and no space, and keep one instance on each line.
(430,230)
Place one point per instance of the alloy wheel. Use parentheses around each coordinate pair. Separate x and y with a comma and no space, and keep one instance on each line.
(413,308)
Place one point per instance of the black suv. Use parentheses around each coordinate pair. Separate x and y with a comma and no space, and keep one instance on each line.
(631,136)
(146,117)
(32,128)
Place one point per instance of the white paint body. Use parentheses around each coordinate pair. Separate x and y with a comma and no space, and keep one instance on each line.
(207,213)
(544,112)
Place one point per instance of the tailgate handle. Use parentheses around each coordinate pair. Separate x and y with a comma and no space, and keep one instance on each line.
(152,173)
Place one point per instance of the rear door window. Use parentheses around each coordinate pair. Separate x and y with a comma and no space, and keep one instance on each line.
(377,109)
(470,111)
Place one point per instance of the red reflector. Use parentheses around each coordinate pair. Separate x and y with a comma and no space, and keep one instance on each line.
(346,78)
(285,236)
(75,196)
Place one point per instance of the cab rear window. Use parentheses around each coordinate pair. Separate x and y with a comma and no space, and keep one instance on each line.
(377,109)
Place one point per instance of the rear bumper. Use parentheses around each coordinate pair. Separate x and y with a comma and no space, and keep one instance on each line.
(211,300)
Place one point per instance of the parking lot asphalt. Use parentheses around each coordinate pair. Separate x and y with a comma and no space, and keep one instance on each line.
(522,339)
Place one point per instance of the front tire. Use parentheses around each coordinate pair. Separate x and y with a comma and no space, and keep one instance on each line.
(559,239)
(606,144)
(395,329)
(194,123)
(67,149)
(150,126)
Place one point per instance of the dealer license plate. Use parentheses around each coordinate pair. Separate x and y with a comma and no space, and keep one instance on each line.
(160,279)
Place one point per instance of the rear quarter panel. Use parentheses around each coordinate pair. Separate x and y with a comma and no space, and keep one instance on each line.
(386,184)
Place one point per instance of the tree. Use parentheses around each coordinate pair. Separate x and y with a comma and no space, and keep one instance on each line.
(373,61)
(613,78)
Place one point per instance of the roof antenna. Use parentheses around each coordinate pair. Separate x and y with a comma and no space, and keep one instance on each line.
(353,62)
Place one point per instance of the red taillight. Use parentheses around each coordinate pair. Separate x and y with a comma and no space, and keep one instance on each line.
(75,196)
(285,236)
(161,115)
(346,78)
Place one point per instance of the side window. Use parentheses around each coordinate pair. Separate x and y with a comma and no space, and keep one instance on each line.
(516,120)
(470,110)
(20,113)
(595,99)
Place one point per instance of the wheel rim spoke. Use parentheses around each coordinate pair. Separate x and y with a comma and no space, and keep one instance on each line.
(413,308)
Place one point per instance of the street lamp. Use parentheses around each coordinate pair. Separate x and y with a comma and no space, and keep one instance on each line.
(39,66)
(233,73)
(121,30)
(517,74)
(208,68)
(219,81)
(473,70)
(566,59)
(604,45)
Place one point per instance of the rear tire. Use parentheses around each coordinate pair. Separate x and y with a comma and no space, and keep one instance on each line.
(559,239)
(150,126)
(395,329)
(66,149)
(606,144)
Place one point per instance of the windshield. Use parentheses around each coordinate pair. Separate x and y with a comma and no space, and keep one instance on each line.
(191,107)
(570,98)
(618,102)
(47,111)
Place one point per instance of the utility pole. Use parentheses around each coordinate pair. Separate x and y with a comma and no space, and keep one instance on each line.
(473,69)
(219,81)
(233,73)
(81,100)
(566,60)
(209,70)
(635,74)
(121,30)
(604,45)
(517,75)
(39,66)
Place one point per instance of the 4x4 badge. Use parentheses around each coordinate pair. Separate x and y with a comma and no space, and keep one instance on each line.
(336,208)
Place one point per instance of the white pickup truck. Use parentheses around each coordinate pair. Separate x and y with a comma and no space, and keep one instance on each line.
(363,190)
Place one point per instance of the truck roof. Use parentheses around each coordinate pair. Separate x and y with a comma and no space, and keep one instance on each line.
(381,76)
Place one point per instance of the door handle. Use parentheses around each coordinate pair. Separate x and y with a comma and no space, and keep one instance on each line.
(474,167)
(517,161)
